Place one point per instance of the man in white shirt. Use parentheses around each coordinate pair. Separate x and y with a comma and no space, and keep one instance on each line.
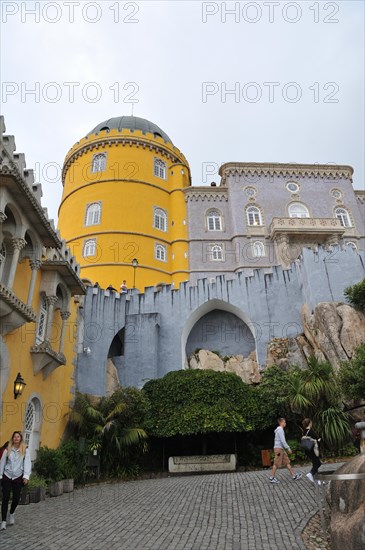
(281,457)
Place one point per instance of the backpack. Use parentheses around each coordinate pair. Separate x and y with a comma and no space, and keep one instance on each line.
(2,449)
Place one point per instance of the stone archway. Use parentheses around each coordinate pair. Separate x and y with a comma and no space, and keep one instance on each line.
(214,318)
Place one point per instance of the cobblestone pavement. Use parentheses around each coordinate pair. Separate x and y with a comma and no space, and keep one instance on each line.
(238,511)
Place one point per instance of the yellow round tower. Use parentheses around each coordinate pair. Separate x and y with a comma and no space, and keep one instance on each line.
(123,212)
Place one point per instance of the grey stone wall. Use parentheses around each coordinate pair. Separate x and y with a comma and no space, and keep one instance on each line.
(157,325)
(273,198)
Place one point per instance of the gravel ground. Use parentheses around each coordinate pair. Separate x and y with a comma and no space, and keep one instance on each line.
(313,536)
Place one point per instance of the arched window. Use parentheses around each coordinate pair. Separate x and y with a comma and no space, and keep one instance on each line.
(352,245)
(42,320)
(89,248)
(99,163)
(2,258)
(159,168)
(160,219)
(343,216)
(253,216)
(298,210)
(258,249)
(32,426)
(216,252)
(214,221)
(93,214)
(160,252)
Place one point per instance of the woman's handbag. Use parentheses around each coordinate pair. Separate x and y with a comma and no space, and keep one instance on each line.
(307,443)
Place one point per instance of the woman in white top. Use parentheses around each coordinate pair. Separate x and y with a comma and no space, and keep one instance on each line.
(15,469)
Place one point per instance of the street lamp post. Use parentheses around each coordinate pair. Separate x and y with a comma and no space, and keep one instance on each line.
(134,264)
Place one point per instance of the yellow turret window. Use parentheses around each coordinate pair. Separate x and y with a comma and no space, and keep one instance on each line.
(98,163)
(89,248)
(160,219)
(160,253)
(93,213)
(159,168)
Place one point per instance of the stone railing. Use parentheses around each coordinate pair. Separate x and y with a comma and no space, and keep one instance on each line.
(306,225)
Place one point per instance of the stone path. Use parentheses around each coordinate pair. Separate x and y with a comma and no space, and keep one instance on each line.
(239,511)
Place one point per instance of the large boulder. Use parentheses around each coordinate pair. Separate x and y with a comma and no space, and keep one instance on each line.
(246,368)
(347,525)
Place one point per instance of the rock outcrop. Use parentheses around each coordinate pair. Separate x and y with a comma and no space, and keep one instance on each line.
(246,368)
(112,379)
(347,525)
(331,333)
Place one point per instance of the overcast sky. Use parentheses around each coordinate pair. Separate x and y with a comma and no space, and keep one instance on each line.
(295,70)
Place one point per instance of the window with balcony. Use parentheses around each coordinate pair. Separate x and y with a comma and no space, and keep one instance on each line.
(298,210)
(42,320)
(343,216)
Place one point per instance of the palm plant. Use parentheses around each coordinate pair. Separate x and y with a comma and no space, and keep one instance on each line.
(314,392)
(112,424)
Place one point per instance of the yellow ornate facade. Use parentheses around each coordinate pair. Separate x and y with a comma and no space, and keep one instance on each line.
(38,314)
(123,200)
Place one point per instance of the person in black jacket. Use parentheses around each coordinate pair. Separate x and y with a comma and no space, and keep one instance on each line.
(313,454)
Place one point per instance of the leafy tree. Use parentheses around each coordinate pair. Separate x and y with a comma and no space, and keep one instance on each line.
(352,375)
(113,425)
(356,295)
(190,402)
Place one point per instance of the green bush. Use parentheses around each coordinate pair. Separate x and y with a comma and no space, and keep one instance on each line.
(188,402)
(352,375)
(36,481)
(356,295)
(73,461)
(49,464)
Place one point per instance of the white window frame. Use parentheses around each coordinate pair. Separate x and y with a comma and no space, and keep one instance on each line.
(98,163)
(42,320)
(298,210)
(342,214)
(2,258)
(29,419)
(89,244)
(93,214)
(254,216)
(297,188)
(160,219)
(216,252)
(160,252)
(258,249)
(214,220)
(352,245)
(159,168)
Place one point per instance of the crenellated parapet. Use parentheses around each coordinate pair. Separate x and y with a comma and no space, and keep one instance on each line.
(148,334)
(286,170)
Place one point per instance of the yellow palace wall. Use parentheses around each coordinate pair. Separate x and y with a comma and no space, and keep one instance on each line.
(128,191)
(54,392)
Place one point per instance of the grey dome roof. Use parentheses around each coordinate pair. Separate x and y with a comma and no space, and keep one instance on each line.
(132,123)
